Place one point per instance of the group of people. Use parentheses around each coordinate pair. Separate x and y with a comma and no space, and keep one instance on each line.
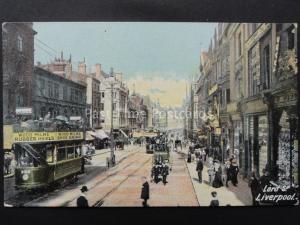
(160,168)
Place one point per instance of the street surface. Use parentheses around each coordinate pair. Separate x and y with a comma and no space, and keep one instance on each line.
(121,185)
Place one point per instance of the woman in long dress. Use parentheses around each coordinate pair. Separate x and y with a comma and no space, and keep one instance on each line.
(217,183)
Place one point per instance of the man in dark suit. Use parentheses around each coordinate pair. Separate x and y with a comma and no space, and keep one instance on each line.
(214,201)
(82,200)
(199,169)
(165,172)
(145,191)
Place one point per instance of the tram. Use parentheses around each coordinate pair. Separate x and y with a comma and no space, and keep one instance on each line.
(45,158)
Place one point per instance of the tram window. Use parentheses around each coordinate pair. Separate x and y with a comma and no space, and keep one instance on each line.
(25,159)
(49,156)
(70,153)
(61,154)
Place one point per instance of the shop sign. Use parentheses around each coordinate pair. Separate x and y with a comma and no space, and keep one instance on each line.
(46,136)
(24,111)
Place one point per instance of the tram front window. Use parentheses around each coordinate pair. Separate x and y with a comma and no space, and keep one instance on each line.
(25,160)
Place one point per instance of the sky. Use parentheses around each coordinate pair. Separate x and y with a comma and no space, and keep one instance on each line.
(155,58)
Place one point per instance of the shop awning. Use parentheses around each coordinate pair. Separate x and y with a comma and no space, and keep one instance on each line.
(88,136)
(101,134)
(123,133)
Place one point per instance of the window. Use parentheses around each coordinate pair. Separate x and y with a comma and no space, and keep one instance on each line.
(102,94)
(50,89)
(20,43)
(114,106)
(42,86)
(61,154)
(252,82)
(265,79)
(291,38)
(102,106)
(65,92)
(228,96)
(70,153)
(56,91)
(239,44)
(72,95)
(76,95)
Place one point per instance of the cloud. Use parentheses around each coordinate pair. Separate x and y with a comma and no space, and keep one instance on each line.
(168,90)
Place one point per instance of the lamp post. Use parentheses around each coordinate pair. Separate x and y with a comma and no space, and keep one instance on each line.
(112,155)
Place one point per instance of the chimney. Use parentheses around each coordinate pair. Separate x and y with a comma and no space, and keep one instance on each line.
(82,67)
(98,70)
(119,76)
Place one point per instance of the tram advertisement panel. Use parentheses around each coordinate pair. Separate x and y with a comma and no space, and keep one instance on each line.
(46,136)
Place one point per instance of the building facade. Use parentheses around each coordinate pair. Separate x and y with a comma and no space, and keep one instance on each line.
(57,95)
(249,80)
(114,101)
(18,63)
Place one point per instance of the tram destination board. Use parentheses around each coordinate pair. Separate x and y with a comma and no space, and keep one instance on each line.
(46,136)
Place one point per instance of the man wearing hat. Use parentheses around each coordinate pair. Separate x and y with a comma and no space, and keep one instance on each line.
(214,201)
(82,200)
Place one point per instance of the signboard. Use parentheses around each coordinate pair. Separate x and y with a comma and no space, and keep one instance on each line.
(75,117)
(46,136)
(23,111)
(213,89)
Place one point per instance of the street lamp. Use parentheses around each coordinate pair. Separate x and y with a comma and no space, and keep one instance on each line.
(112,154)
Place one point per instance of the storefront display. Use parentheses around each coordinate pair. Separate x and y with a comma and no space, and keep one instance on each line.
(263,142)
(287,153)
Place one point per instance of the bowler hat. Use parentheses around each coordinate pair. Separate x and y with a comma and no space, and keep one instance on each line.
(84,189)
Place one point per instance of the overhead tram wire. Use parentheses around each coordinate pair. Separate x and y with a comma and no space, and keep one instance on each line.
(46,51)
(52,49)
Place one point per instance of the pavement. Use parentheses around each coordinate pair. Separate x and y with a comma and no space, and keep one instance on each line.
(234,196)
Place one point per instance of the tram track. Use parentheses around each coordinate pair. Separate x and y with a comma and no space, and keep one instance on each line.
(100,202)
(111,175)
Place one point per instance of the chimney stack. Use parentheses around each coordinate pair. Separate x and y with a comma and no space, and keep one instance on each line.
(98,70)
(82,67)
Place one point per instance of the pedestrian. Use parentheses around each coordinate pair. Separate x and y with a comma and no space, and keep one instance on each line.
(82,200)
(165,172)
(210,171)
(214,202)
(254,186)
(234,172)
(228,172)
(217,182)
(199,169)
(82,163)
(155,173)
(145,195)
(189,157)
(264,179)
